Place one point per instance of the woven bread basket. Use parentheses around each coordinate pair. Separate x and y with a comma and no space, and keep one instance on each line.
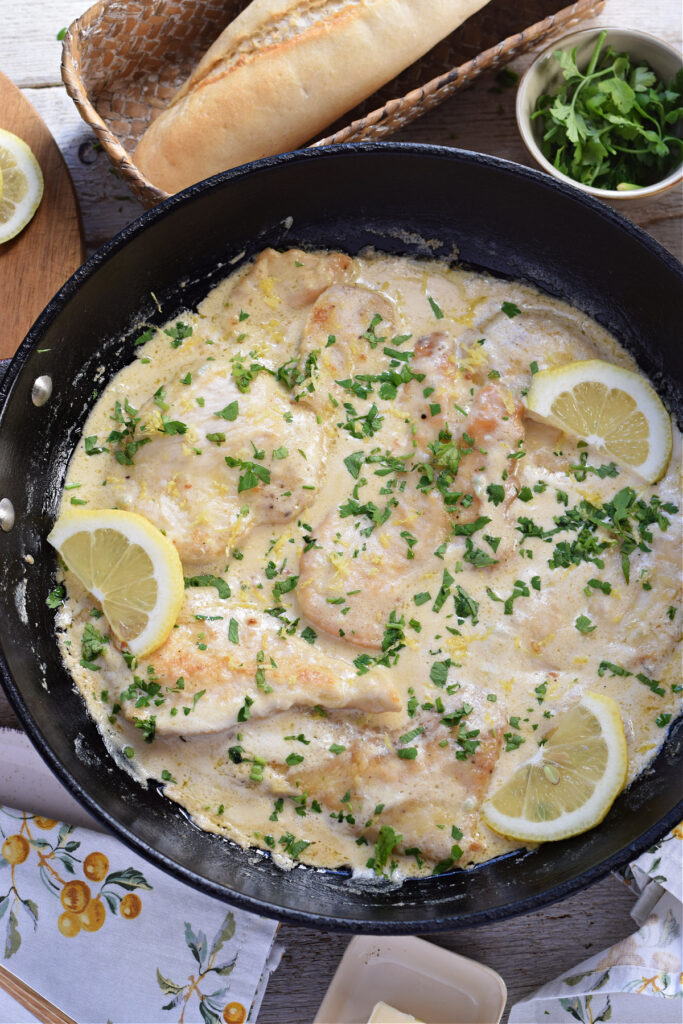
(123,60)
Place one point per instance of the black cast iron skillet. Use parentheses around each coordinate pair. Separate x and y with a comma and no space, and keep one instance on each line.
(399,198)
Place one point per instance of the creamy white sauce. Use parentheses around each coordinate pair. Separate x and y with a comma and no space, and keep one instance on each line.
(516,671)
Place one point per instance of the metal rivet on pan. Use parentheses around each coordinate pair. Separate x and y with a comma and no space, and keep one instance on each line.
(6,514)
(41,390)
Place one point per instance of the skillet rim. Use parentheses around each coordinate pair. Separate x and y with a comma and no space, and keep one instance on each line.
(91,266)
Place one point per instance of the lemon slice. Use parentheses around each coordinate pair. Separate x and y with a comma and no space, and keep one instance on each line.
(571,782)
(129,567)
(22,185)
(615,410)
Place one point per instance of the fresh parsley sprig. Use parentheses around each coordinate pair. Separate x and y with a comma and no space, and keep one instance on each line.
(613,125)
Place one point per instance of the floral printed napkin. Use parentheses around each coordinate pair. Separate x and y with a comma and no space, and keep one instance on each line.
(106,937)
(637,981)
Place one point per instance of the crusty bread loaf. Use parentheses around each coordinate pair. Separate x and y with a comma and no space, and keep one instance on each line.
(281,72)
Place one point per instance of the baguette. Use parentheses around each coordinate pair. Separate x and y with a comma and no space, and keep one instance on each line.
(281,72)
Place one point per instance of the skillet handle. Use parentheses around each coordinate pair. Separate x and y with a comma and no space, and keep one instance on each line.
(4,367)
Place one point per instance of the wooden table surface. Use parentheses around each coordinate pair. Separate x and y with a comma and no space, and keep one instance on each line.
(526,951)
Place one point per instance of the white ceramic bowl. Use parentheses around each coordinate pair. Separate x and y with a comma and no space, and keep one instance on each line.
(545,76)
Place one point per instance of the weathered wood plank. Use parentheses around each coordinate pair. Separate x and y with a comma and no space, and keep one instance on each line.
(106,202)
(526,951)
(31,53)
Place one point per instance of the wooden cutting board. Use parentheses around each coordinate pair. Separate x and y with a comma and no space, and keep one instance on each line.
(35,264)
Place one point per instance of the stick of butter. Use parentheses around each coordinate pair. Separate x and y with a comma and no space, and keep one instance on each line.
(385,1014)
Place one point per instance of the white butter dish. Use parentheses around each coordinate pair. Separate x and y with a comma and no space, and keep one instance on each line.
(417,977)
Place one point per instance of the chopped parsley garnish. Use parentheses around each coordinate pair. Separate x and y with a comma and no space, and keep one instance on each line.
(392,645)
(626,519)
(496,493)
(465,606)
(244,375)
(173,427)
(127,439)
(293,376)
(386,843)
(436,309)
(519,589)
(251,473)
(146,335)
(407,753)
(148,727)
(438,673)
(230,412)
(244,712)
(354,462)
(209,581)
(444,591)
(178,333)
(91,447)
(294,847)
(372,512)
(408,736)
(467,529)
(581,470)
(616,670)
(601,585)
(55,597)
(510,309)
(361,424)
(92,645)
(284,586)
(477,557)
(465,738)
(370,335)
(652,684)
(512,741)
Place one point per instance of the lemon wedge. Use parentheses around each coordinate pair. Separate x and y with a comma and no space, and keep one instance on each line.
(611,408)
(128,565)
(22,185)
(571,782)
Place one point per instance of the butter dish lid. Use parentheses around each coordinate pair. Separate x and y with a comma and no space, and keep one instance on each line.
(415,977)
